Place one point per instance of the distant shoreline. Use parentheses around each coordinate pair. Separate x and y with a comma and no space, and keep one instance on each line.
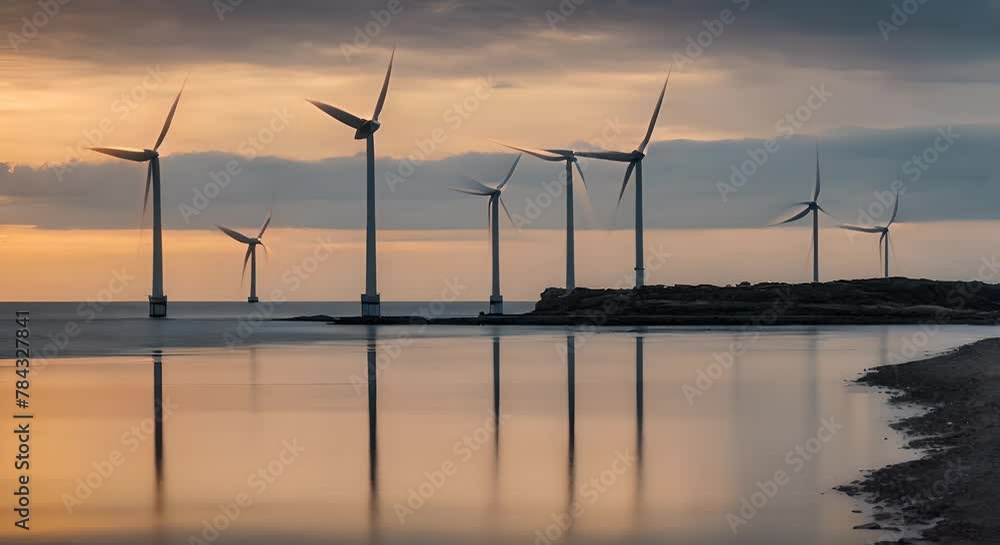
(955,486)
(620,321)
(891,301)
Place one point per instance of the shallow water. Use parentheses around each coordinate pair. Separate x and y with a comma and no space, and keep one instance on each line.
(606,438)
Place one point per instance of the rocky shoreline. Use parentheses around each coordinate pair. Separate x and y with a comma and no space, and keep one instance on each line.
(954,489)
(844,302)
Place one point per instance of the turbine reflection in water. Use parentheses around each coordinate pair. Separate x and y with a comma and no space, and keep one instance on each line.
(159,499)
(373,505)
(709,454)
(639,429)
(571,414)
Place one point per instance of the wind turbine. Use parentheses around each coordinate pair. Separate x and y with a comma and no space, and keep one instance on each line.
(814,208)
(157,300)
(251,254)
(883,230)
(475,187)
(570,157)
(365,130)
(634,160)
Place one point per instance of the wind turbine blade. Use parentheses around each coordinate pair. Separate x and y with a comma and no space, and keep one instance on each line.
(881,238)
(267,253)
(796,217)
(628,174)
(246,259)
(582,177)
(149,181)
(511,218)
(823,210)
(564,153)
(170,117)
(618,156)
(656,114)
(509,174)
(385,88)
(817,188)
(236,235)
(266,223)
(346,118)
(129,154)
(541,154)
(863,229)
(895,210)
(588,208)
(473,186)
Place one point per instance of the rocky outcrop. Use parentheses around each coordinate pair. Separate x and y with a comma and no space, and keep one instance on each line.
(892,300)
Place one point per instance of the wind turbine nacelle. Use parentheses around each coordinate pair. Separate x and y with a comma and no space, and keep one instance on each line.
(367,129)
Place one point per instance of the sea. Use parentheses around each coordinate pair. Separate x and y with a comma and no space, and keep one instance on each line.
(216,426)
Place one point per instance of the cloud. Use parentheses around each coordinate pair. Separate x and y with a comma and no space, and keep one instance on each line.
(456,37)
(682,186)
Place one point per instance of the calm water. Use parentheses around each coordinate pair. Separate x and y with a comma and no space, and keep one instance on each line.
(88,329)
(602,439)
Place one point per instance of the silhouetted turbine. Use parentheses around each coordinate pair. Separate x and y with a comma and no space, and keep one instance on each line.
(883,241)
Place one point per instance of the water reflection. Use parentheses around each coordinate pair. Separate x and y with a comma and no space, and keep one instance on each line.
(373,504)
(496,416)
(158,428)
(571,417)
(639,429)
(494,502)
(695,459)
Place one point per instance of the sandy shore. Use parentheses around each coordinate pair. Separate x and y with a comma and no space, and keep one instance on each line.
(955,487)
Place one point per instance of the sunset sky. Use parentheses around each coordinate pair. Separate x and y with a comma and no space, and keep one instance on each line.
(878,86)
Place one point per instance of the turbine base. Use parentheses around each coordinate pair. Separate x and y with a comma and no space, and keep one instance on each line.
(371,306)
(496,304)
(157,306)
(253,300)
